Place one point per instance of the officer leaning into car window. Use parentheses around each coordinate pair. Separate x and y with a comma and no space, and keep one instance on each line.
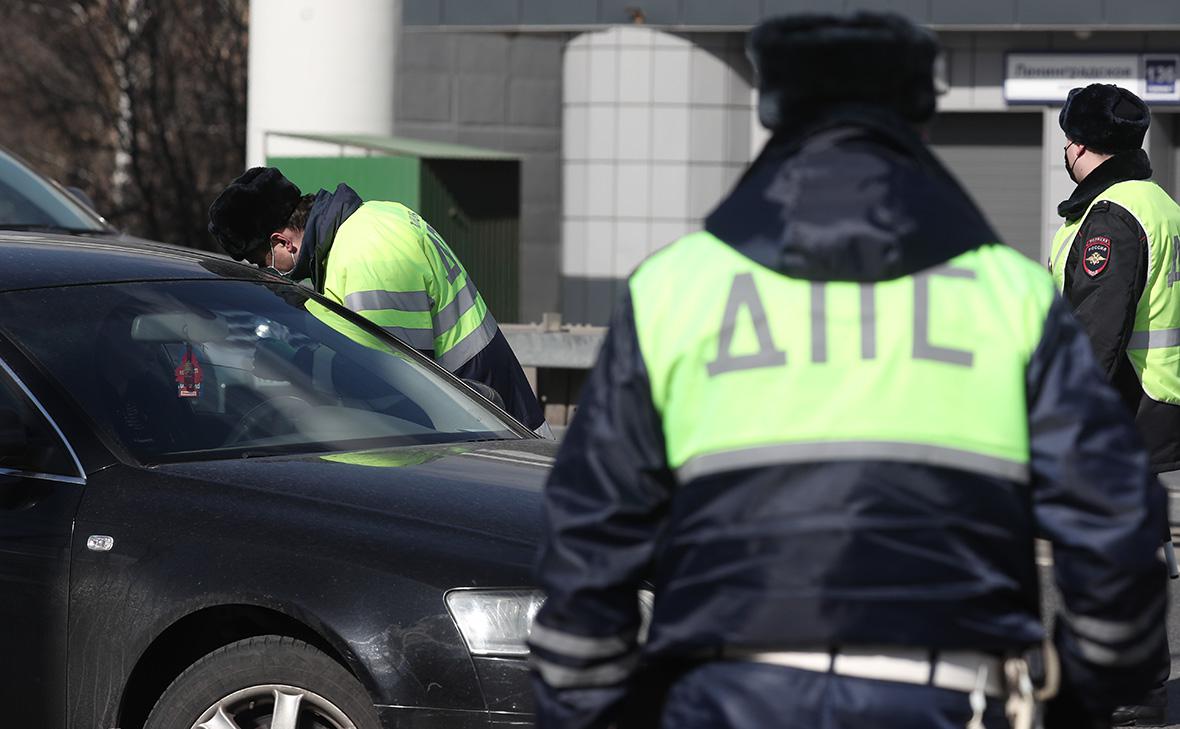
(383,261)
(1115,260)
(825,431)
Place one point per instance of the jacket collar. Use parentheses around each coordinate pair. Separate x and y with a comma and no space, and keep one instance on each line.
(1119,168)
(856,196)
(328,213)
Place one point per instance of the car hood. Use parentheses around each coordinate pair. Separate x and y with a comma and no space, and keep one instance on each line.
(488,488)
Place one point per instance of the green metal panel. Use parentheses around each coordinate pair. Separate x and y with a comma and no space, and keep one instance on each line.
(374,178)
(470,196)
(475,206)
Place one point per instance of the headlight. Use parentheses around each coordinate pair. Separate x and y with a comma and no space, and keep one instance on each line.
(497,622)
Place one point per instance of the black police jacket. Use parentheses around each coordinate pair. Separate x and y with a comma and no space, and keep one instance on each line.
(875,205)
(1106,303)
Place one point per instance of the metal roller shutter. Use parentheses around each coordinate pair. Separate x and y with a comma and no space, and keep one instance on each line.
(997,158)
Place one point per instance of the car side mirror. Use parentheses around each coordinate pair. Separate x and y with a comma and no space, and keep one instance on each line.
(486,392)
(20,445)
(81,197)
(14,436)
(18,449)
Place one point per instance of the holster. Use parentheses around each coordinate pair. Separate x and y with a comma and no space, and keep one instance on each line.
(1032,679)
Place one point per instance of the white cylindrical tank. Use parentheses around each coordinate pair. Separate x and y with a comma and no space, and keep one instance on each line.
(319,66)
(656,128)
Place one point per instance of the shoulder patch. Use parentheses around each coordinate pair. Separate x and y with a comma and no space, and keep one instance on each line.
(1096,255)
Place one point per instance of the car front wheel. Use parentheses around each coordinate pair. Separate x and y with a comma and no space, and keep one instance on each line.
(267,682)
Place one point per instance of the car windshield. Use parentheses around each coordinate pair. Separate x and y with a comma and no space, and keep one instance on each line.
(189,370)
(30,202)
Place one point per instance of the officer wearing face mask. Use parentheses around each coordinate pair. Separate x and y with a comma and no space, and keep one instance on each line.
(1115,260)
(383,261)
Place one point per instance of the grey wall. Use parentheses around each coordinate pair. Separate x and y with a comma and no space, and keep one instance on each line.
(997,158)
(688,13)
(503,90)
(1163,147)
(500,92)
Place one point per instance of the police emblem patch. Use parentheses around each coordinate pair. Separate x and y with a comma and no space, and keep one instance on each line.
(1096,255)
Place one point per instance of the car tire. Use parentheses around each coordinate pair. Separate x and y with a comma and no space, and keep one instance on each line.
(248,679)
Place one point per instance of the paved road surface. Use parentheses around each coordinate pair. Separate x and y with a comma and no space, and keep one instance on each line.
(1174,642)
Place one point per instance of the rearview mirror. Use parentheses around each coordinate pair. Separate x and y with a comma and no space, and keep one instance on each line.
(178,327)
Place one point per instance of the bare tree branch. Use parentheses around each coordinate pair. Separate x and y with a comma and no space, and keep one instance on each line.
(141,103)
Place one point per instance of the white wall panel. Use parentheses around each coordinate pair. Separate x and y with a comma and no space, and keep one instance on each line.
(352,70)
(662,144)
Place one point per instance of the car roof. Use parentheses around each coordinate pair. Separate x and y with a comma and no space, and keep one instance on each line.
(40,260)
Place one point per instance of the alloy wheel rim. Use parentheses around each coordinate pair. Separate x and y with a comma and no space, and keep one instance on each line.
(286,706)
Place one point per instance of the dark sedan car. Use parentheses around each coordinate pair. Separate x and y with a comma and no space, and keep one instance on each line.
(31,201)
(226,503)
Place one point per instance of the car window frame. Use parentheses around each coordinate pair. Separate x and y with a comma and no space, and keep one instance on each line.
(8,375)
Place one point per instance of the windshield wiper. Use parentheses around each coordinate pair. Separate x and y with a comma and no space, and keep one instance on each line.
(49,228)
(264,452)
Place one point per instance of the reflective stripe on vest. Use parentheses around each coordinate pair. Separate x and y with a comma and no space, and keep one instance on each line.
(1154,346)
(374,300)
(757,369)
(390,266)
(345,327)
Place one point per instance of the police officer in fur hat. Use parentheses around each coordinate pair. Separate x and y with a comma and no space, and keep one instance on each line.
(1116,260)
(825,429)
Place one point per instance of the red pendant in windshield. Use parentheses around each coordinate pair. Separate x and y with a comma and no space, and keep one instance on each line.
(188,375)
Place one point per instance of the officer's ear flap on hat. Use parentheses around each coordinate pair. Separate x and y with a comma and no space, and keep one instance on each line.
(249,209)
(807,64)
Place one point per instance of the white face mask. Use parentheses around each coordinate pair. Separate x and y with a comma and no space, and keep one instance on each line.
(282,273)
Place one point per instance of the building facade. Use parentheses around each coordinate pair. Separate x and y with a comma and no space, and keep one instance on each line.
(633,118)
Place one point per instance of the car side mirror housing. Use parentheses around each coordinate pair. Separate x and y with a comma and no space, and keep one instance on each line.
(81,197)
(486,392)
(14,436)
(21,446)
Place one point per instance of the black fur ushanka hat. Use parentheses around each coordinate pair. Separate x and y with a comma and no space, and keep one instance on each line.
(809,63)
(249,209)
(1106,117)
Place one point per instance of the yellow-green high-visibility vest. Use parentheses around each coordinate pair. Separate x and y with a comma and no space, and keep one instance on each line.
(753,368)
(393,268)
(1154,346)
